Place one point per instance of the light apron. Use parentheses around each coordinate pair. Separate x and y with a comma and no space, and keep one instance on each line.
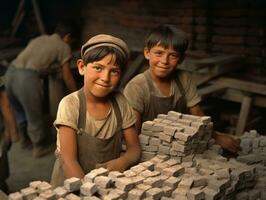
(91,150)
(161,105)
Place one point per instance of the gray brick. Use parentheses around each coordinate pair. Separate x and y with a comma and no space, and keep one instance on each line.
(155,193)
(172,182)
(147,125)
(124,184)
(48,195)
(103,181)
(72,196)
(72,184)
(60,192)
(136,194)
(29,193)
(88,189)
(15,196)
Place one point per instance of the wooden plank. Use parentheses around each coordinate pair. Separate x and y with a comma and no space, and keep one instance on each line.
(243,116)
(17,23)
(203,78)
(223,63)
(237,96)
(241,85)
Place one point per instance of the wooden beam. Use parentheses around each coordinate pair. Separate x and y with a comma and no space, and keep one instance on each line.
(38,16)
(18,17)
(241,85)
(237,96)
(243,116)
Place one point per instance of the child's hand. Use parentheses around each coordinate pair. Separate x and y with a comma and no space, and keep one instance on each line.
(11,135)
(113,165)
(227,142)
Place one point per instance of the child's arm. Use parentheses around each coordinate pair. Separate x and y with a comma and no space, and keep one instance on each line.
(11,131)
(68,77)
(131,156)
(68,150)
(226,141)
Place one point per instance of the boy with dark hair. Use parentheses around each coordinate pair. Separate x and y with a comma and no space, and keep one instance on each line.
(24,85)
(92,122)
(163,87)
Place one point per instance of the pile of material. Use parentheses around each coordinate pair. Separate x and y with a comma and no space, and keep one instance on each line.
(207,176)
(181,172)
(176,135)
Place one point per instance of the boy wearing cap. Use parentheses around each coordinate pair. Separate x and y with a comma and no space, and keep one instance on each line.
(24,85)
(163,87)
(92,121)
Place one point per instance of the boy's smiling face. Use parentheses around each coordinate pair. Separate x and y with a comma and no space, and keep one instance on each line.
(162,61)
(100,77)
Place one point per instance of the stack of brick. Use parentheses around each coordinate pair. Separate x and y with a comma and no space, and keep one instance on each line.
(209,176)
(253,153)
(253,148)
(176,135)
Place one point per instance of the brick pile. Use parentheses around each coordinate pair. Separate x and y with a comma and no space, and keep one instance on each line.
(191,174)
(176,135)
(208,176)
(253,153)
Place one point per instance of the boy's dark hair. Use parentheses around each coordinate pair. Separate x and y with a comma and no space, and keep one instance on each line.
(167,35)
(100,52)
(63,28)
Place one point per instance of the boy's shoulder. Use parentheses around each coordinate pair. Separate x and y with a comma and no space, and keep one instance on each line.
(71,99)
(139,78)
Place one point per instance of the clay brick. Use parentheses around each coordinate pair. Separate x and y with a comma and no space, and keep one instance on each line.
(129,173)
(135,194)
(60,192)
(88,188)
(44,186)
(147,125)
(15,196)
(153,181)
(124,184)
(72,196)
(148,165)
(195,194)
(29,193)
(35,184)
(48,195)
(103,181)
(155,193)
(72,184)
(172,182)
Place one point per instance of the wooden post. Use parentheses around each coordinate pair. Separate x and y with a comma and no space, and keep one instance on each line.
(38,16)
(244,113)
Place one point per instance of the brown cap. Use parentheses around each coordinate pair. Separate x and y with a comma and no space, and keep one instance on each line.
(105,40)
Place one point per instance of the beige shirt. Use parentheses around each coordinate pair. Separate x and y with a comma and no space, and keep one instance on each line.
(138,94)
(68,114)
(42,52)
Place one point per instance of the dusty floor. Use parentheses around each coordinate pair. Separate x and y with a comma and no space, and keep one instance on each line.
(24,168)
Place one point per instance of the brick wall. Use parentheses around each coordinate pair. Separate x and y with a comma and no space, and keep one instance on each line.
(229,26)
